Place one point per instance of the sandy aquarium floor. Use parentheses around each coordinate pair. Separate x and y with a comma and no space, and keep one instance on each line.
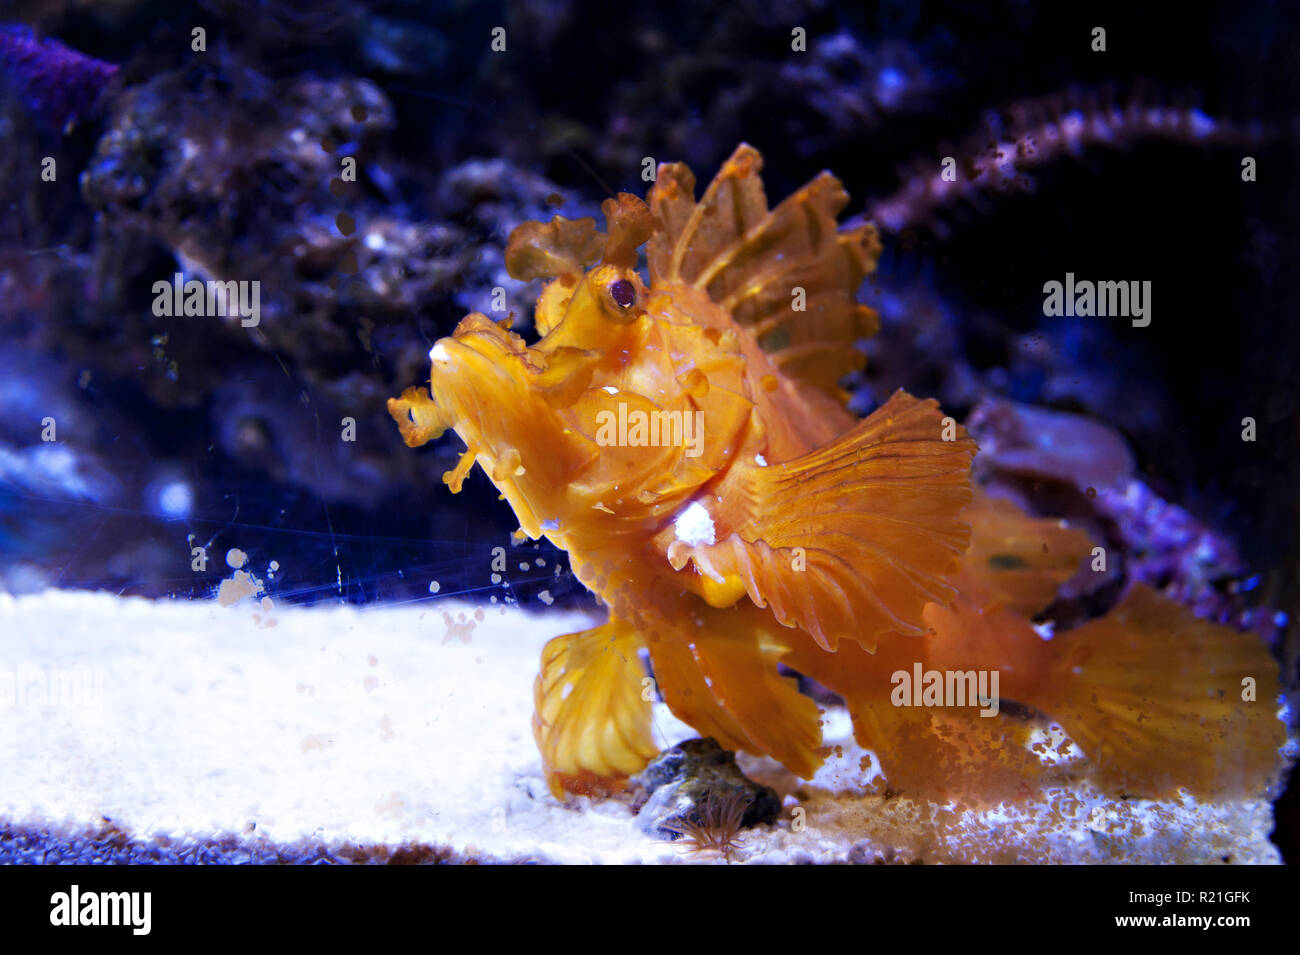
(135,730)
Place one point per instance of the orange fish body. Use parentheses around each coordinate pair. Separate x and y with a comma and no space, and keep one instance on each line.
(687,443)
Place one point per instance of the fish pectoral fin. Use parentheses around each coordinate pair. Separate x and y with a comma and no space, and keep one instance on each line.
(1153,695)
(853,539)
(590,721)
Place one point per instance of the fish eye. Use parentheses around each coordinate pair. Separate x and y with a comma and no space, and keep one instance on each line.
(623,293)
(617,292)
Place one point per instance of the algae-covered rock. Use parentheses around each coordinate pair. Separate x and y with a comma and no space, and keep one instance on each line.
(674,791)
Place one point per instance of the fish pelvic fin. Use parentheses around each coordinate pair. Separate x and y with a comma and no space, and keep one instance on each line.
(717,669)
(590,721)
(737,652)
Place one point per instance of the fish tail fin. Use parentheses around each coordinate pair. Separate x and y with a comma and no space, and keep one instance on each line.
(590,720)
(1159,699)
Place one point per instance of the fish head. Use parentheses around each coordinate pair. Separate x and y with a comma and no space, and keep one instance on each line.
(549,422)
(506,402)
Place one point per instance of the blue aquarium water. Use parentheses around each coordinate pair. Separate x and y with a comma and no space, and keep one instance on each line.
(239,238)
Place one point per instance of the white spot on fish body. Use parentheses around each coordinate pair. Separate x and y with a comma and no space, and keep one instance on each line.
(694,526)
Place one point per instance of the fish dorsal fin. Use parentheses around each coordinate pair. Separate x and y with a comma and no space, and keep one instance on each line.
(753,261)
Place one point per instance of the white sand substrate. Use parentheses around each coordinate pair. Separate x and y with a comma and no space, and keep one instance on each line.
(139,730)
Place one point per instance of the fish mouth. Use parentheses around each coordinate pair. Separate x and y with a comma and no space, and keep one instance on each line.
(478,379)
(483,384)
(454,380)
(474,358)
(466,379)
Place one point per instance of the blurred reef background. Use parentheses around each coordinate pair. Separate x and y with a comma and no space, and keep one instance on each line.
(226,163)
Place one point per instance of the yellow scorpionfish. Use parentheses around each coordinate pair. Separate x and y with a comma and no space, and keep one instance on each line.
(687,442)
